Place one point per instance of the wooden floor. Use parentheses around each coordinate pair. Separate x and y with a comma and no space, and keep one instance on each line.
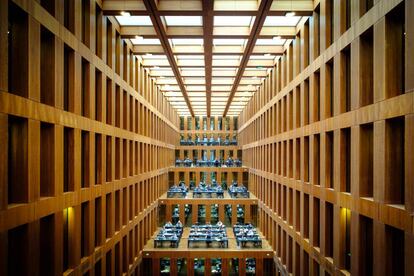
(184,252)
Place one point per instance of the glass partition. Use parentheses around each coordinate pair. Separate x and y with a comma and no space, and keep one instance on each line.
(250,266)
(216,266)
(199,267)
(165,268)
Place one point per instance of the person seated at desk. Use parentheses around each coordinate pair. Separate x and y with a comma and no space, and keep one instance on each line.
(237,162)
(205,140)
(216,269)
(229,162)
(178,162)
(209,237)
(181,185)
(227,141)
(233,184)
(197,140)
(220,224)
(216,163)
(188,162)
(190,141)
(211,141)
(233,141)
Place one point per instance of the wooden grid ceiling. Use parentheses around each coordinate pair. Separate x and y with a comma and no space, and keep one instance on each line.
(208,57)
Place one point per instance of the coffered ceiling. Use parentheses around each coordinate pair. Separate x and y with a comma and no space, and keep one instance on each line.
(208,57)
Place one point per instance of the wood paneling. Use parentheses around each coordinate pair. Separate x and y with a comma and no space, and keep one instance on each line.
(354,156)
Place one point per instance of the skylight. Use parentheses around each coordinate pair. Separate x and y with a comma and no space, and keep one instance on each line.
(187,41)
(229,41)
(154,56)
(270,41)
(281,21)
(233,20)
(141,20)
(145,41)
(226,56)
(183,20)
(190,57)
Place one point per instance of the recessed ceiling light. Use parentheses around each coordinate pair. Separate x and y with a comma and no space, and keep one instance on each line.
(123,13)
(277,37)
(139,37)
(290,14)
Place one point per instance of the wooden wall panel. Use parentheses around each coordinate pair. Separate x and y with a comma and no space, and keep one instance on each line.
(96,225)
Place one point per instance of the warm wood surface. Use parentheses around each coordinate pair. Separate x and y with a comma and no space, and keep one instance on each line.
(184,252)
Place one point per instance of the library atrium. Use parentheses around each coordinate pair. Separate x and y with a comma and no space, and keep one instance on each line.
(206,137)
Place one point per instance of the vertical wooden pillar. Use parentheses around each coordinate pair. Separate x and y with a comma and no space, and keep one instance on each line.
(207,267)
(379,161)
(380,52)
(187,177)
(182,213)
(409,46)
(176,177)
(190,266)
(197,178)
(224,266)
(173,267)
(233,214)
(208,213)
(259,267)
(168,212)
(4,23)
(247,217)
(155,266)
(195,213)
(221,212)
(242,266)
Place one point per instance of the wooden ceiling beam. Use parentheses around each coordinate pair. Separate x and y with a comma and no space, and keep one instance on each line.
(208,23)
(199,50)
(285,32)
(257,26)
(195,7)
(151,7)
